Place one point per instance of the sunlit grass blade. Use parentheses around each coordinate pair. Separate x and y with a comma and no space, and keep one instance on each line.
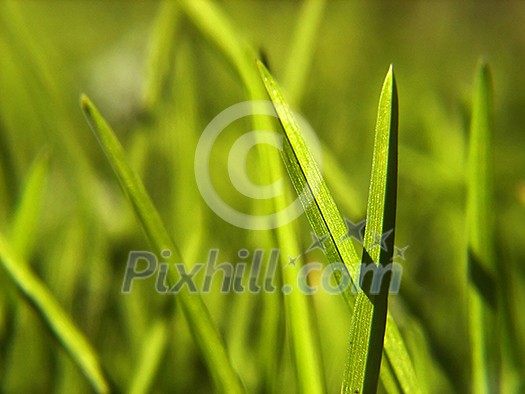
(36,294)
(388,379)
(151,356)
(370,313)
(399,361)
(320,207)
(483,293)
(298,64)
(219,30)
(325,219)
(204,330)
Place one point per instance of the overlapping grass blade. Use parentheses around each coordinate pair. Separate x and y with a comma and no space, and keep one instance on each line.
(302,330)
(157,106)
(216,27)
(325,219)
(483,292)
(300,320)
(204,330)
(303,333)
(58,321)
(399,361)
(370,312)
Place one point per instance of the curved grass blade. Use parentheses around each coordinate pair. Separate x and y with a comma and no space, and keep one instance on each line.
(483,297)
(56,319)
(369,319)
(204,330)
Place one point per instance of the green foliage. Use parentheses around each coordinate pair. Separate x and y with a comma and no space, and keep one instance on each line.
(160,72)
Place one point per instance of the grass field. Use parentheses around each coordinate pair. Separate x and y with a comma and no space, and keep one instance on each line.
(119,186)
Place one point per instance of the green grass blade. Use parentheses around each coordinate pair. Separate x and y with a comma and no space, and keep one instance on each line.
(131,184)
(480,214)
(302,330)
(388,379)
(299,319)
(399,361)
(483,295)
(221,32)
(302,51)
(319,204)
(153,350)
(204,330)
(369,319)
(160,59)
(382,198)
(24,222)
(302,47)
(215,25)
(49,310)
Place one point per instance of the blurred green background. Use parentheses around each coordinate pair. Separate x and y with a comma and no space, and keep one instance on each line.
(83,228)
